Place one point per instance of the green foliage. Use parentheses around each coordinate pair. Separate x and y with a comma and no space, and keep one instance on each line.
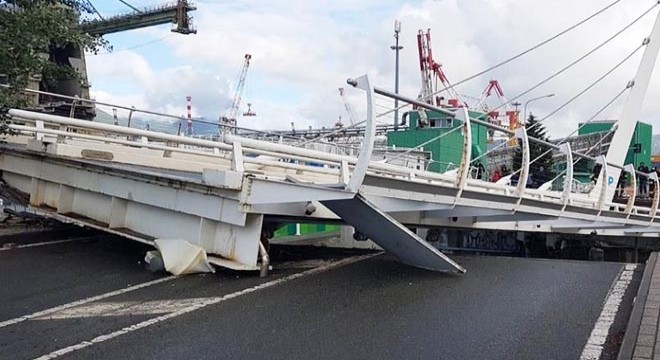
(535,129)
(31,34)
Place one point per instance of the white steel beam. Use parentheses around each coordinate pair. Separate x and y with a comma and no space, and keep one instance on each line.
(632,109)
(369,137)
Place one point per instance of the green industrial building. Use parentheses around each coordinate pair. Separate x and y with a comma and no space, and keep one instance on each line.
(641,145)
(446,152)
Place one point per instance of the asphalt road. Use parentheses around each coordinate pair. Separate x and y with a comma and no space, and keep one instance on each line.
(375,308)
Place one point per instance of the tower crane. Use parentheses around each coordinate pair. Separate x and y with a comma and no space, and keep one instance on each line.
(347,106)
(431,72)
(229,119)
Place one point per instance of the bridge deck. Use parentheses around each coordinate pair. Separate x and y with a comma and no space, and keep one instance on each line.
(227,196)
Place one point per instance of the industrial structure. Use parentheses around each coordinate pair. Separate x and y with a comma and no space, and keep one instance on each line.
(230,194)
(176,13)
(228,121)
(229,197)
(431,72)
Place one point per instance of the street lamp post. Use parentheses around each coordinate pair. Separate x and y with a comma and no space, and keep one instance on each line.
(396,48)
(534,99)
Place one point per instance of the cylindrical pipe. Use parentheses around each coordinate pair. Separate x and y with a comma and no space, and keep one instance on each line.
(257,145)
(114,128)
(265,260)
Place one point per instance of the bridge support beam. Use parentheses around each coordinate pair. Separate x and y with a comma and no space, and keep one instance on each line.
(521,134)
(141,209)
(568,180)
(389,234)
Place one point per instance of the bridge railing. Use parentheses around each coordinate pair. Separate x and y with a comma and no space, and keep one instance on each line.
(328,167)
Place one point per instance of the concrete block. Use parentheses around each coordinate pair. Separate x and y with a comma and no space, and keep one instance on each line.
(223,179)
(36,145)
(653,298)
(653,312)
(649,320)
(647,330)
(653,304)
(645,340)
(643,351)
(654,291)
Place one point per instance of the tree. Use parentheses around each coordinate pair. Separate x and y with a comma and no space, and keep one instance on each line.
(35,36)
(540,170)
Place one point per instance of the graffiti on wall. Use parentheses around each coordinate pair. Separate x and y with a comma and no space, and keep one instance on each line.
(491,241)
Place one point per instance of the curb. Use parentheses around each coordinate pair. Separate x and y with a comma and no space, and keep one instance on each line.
(632,330)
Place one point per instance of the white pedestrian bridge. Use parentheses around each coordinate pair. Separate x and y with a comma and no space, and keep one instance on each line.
(229,195)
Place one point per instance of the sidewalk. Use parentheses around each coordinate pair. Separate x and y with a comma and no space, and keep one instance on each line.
(642,339)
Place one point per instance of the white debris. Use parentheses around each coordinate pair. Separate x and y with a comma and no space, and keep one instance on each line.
(181,257)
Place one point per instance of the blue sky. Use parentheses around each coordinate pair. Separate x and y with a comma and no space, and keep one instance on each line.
(302,51)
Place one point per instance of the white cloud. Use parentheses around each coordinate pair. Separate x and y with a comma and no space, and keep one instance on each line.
(308,49)
(162,91)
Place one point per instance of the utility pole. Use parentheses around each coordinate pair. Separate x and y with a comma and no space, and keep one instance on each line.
(396,48)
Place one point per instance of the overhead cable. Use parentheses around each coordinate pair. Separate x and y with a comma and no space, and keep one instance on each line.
(593,83)
(576,61)
(565,139)
(521,54)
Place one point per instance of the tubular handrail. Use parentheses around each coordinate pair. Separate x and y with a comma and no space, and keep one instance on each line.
(277,151)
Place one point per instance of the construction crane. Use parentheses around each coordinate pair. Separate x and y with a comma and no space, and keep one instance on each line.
(229,119)
(495,117)
(347,106)
(431,72)
(493,87)
(174,13)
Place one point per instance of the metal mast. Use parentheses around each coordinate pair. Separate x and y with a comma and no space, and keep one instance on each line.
(396,47)
(632,110)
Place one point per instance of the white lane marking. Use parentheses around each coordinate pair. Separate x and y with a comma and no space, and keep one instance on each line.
(202,304)
(122,308)
(594,347)
(55,309)
(45,243)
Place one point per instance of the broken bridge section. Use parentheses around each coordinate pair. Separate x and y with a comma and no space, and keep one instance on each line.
(391,235)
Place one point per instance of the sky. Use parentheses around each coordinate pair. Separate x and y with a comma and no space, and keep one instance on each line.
(303,51)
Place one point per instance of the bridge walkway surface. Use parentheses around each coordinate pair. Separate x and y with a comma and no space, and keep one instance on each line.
(91,298)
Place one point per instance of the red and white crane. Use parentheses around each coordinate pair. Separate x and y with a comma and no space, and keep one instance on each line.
(493,87)
(431,72)
(229,119)
(508,117)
